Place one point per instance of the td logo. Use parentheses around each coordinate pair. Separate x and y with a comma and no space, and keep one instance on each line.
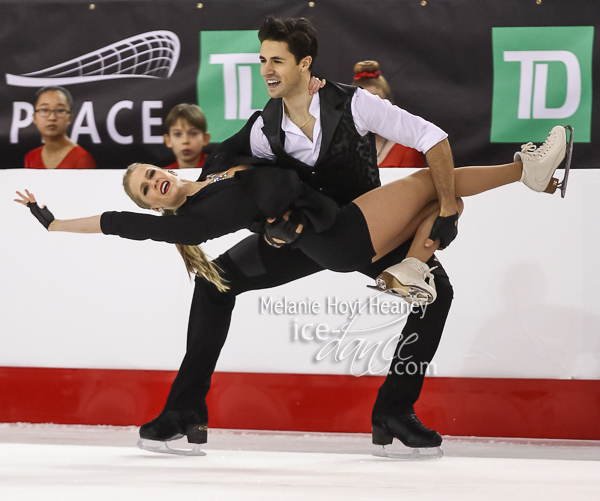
(542,77)
(230,87)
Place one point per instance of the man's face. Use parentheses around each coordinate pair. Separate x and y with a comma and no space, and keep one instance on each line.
(283,76)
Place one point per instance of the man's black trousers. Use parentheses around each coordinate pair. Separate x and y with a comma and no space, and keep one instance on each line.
(252,265)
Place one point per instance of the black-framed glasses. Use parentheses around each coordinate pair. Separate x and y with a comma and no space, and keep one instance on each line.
(46,112)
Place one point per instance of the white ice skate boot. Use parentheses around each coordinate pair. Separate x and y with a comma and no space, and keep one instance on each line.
(539,164)
(408,280)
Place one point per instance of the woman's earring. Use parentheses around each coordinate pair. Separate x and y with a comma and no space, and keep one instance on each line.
(162,211)
(171,172)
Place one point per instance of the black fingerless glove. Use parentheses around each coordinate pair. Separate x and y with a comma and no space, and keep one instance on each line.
(43,215)
(281,229)
(445,228)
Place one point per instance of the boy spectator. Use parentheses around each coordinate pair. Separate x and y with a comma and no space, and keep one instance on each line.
(186,136)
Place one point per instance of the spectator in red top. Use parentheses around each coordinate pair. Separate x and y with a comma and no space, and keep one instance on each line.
(389,154)
(52,117)
(186,136)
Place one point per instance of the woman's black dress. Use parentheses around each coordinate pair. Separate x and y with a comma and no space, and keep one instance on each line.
(336,238)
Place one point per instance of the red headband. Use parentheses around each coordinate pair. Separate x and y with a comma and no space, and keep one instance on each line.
(366,74)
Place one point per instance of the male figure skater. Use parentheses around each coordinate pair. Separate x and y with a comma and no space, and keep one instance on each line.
(329,139)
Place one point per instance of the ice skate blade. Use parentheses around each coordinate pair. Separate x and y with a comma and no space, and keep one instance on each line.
(562,186)
(413,455)
(163,448)
(412,297)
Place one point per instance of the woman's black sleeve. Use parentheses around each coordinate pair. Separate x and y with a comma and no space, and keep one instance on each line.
(186,230)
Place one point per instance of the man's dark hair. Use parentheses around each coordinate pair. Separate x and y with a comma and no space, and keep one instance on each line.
(56,88)
(298,33)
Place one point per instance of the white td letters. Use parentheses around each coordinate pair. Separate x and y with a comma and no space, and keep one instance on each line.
(527,87)
(231,77)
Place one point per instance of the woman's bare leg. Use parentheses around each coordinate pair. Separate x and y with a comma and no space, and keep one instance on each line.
(395,210)
(419,229)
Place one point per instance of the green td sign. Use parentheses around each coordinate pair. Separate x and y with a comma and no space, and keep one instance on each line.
(230,88)
(542,78)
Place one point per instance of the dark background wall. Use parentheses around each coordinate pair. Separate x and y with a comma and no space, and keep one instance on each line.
(437,56)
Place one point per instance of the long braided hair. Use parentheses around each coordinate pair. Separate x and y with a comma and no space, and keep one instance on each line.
(195,260)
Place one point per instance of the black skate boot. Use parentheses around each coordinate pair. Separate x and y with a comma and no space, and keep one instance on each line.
(171,425)
(410,431)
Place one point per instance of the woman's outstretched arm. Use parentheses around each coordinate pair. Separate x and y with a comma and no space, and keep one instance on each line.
(185,230)
(81,225)
(46,218)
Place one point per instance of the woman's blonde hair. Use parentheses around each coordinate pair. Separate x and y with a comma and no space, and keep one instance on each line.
(196,262)
(367,73)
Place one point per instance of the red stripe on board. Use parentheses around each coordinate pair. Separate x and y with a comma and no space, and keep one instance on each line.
(534,408)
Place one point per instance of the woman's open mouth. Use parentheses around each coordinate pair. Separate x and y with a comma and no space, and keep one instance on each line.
(164,187)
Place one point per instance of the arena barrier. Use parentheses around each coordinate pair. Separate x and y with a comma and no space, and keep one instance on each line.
(94,327)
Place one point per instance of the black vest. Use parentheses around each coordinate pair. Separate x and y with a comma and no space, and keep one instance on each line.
(347,163)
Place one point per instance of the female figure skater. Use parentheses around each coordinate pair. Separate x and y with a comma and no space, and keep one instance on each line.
(341,239)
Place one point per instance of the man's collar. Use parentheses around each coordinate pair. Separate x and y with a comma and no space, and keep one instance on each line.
(314,109)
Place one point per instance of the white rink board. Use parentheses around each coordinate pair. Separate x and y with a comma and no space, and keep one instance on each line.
(525,305)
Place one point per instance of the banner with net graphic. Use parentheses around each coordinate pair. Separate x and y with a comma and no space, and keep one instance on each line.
(492,75)
(150,55)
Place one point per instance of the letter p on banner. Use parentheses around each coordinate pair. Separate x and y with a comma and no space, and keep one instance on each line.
(542,77)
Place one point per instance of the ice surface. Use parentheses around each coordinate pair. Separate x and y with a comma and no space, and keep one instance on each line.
(52,462)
